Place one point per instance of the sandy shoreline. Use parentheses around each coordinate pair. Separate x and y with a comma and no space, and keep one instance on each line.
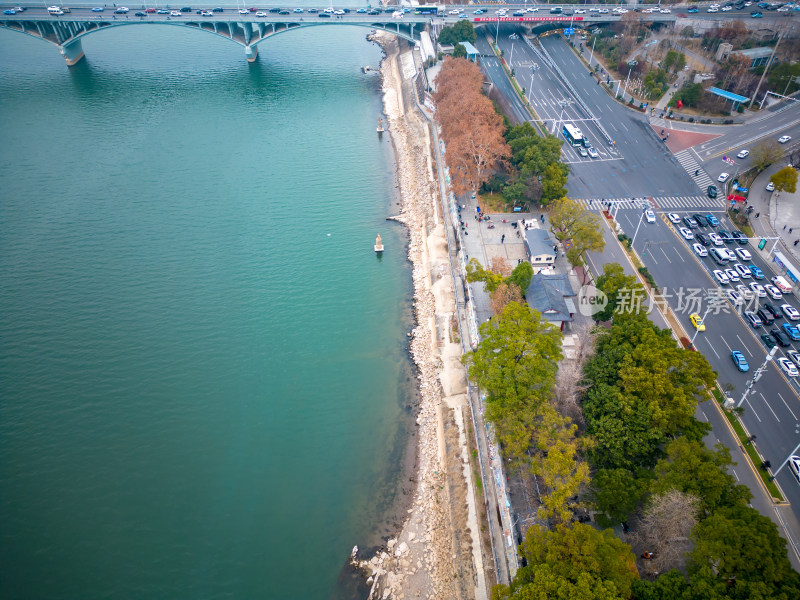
(437,552)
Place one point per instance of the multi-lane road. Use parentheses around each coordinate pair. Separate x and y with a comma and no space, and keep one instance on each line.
(638,166)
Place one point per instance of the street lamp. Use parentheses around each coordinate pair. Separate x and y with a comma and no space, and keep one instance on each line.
(757,375)
(786,460)
(564,104)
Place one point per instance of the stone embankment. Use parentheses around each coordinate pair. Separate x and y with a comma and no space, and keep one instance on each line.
(432,555)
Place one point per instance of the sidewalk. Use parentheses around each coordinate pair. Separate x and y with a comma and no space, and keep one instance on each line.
(778,214)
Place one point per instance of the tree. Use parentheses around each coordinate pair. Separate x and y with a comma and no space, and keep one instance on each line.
(613,283)
(692,468)
(503,295)
(462,31)
(494,278)
(554,182)
(689,94)
(615,493)
(475,272)
(738,547)
(515,363)
(687,32)
(459,51)
(471,128)
(557,465)
(664,529)
(587,236)
(572,562)
(568,219)
(765,153)
(785,180)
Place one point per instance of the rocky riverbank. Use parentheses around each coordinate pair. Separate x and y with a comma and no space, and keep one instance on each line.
(432,557)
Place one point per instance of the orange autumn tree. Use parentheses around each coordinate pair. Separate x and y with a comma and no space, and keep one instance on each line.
(471,128)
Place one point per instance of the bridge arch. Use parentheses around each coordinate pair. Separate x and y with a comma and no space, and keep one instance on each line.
(67,35)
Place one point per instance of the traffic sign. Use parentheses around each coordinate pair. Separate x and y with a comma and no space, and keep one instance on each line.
(569,31)
(762,243)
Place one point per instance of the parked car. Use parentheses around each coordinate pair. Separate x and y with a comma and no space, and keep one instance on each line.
(787,367)
(752,318)
(780,337)
(790,312)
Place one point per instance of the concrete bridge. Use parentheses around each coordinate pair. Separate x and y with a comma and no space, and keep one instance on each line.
(249,29)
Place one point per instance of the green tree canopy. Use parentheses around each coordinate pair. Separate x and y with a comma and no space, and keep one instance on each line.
(459,51)
(740,548)
(692,468)
(520,276)
(516,363)
(615,284)
(785,180)
(573,562)
(554,182)
(462,31)
(615,493)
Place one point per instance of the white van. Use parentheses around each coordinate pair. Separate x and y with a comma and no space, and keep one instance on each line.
(55,10)
(783,285)
(719,256)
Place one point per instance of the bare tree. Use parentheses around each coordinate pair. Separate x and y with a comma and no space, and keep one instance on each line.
(765,153)
(661,535)
(504,294)
(570,386)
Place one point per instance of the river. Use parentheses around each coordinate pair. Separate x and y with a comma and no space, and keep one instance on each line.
(204,382)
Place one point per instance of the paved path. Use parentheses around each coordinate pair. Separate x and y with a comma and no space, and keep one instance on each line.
(778,213)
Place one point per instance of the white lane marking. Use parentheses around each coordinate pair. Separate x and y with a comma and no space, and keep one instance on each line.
(754,411)
(710,345)
(705,418)
(746,349)
(736,475)
(726,343)
(769,407)
(665,255)
(679,254)
(787,406)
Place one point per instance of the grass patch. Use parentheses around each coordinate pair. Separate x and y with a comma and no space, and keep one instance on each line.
(755,459)
(478,483)
(493,203)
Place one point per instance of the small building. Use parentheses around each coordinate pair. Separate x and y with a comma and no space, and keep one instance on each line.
(540,248)
(551,294)
(723,51)
(472,51)
(757,56)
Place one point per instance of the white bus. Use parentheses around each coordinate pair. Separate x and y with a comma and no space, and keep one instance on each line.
(572,134)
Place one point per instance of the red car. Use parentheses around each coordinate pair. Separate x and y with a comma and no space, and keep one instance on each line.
(251,9)
(150,10)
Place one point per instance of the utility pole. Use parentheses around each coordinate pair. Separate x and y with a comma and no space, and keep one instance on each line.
(769,64)
(594,39)
(757,375)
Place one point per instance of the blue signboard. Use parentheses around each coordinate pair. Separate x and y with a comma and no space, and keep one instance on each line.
(569,31)
(741,189)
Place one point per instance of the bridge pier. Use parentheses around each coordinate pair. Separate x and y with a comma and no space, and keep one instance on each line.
(72,51)
(251,52)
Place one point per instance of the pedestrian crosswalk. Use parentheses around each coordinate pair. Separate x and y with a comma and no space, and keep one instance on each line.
(695,171)
(657,203)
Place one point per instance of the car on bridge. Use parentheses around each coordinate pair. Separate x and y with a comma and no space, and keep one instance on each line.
(143,14)
(692,9)
(95,9)
(740,361)
(122,10)
(11,11)
(162,11)
(756,15)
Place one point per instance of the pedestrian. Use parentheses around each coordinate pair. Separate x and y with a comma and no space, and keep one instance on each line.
(542,218)
(795,242)
(758,215)
(503,239)
(554,249)
(790,230)
(697,172)
(784,227)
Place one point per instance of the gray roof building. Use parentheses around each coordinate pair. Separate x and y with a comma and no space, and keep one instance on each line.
(551,295)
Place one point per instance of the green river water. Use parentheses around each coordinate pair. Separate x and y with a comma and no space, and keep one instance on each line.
(204,382)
